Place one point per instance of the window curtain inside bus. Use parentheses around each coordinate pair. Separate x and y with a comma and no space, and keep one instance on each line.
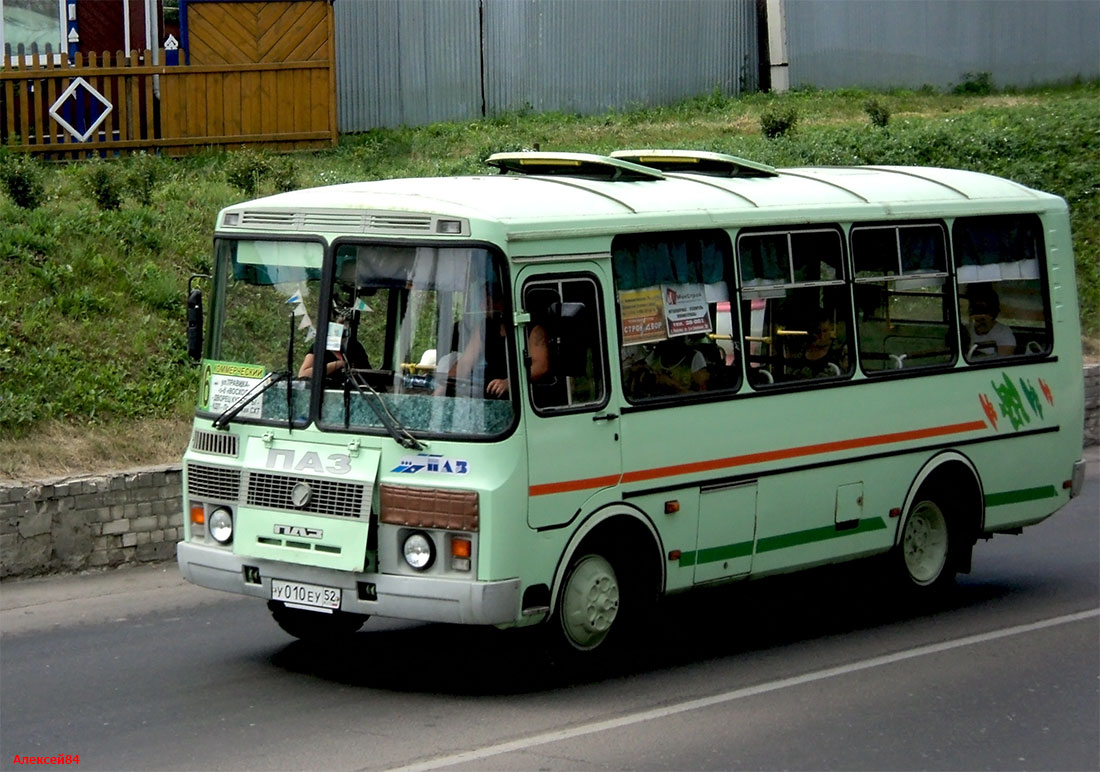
(798,257)
(997,248)
(765,259)
(651,260)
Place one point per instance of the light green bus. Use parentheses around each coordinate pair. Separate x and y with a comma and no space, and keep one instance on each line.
(557,391)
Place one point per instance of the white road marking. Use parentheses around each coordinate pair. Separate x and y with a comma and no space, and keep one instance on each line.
(751,691)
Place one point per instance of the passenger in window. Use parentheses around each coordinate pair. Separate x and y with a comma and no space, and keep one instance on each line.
(822,354)
(670,367)
(986,336)
(494,356)
(538,353)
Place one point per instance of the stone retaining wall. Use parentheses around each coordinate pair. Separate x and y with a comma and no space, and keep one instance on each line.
(71,524)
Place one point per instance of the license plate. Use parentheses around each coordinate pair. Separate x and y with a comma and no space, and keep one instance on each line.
(299,594)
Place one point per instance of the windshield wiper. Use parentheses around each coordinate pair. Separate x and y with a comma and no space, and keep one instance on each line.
(233,410)
(399,433)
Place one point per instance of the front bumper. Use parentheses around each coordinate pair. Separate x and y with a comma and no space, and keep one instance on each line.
(422,598)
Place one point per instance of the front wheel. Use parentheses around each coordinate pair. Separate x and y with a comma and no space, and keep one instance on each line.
(315,625)
(924,557)
(590,602)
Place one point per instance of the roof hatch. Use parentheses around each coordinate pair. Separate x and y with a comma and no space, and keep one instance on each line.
(697,162)
(573,165)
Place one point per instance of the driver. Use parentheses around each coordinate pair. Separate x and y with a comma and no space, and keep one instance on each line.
(351,353)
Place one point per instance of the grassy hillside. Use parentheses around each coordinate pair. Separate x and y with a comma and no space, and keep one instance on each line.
(95,257)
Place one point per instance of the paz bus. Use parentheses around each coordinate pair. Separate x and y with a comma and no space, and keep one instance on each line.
(554,392)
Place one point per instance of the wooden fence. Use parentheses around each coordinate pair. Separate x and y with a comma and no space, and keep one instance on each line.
(116,103)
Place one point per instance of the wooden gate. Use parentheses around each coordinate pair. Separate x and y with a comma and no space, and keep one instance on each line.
(259,74)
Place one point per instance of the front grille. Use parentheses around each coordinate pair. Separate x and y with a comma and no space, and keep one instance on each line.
(328,496)
(213,482)
(217,443)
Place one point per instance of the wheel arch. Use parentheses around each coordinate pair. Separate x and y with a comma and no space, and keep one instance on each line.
(621,521)
(955,473)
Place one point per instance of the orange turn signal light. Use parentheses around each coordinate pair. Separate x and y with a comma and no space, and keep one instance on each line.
(460,548)
(198,515)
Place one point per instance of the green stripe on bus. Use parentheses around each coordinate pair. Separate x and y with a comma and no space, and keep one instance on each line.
(798,538)
(1016,497)
(725,552)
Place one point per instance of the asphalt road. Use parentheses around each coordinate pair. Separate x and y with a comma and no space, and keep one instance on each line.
(134,669)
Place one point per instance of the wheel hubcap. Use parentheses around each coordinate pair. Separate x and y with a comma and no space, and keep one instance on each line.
(590,602)
(924,544)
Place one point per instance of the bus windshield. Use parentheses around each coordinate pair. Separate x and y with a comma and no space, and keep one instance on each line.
(417,337)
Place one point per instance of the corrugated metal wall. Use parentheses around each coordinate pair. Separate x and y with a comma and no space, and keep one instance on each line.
(407,62)
(588,57)
(910,43)
(412,62)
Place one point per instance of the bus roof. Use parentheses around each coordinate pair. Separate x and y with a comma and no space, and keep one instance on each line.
(545,198)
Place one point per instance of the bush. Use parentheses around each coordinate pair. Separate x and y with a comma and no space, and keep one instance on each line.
(245,169)
(778,122)
(975,84)
(249,169)
(22,178)
(104,184)
(284,173)
(877,112)
(146,172)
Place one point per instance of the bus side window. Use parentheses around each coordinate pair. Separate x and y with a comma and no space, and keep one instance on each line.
(677,332)
(1002,308)
(562,345)
(795,305)
(902,296)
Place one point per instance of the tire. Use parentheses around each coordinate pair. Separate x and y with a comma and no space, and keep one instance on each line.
(924,559)
(591,603)
(314,625)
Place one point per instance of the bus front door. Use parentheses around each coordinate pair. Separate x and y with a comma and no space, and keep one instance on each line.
(572,419)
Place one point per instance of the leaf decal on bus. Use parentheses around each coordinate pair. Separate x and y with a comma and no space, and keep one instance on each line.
(990,411)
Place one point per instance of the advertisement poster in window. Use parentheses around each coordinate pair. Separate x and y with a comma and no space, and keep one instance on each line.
(686,309)
(643,315)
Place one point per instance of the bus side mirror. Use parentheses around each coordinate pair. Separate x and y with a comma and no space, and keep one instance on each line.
(569,351)
(194,325)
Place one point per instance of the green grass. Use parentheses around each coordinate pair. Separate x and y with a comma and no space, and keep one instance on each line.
(95,273)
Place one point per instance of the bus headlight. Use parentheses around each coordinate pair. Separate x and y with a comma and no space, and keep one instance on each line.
(220,525)
(419,551)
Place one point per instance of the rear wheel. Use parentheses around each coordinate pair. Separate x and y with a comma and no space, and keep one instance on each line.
(924,559)
(315,625)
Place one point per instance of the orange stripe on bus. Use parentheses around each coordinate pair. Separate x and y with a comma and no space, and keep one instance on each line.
(573,485)
(756,458)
